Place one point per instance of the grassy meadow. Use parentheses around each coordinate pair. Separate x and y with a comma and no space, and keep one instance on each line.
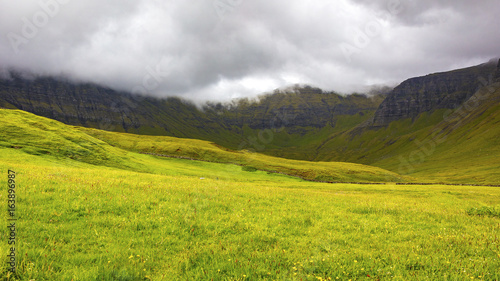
(94,208)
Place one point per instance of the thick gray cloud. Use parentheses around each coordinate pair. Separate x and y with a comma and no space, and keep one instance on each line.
(221,49)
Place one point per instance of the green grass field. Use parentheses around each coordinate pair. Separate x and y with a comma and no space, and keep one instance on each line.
(90,207)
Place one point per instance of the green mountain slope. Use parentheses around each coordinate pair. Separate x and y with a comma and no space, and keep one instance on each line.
(459,145)
(40,136)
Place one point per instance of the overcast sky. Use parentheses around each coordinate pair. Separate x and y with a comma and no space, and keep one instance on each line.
(223,49)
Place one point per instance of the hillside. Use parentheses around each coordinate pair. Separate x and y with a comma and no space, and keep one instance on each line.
(40,136)
(458,145)
(296,109)
(90,105)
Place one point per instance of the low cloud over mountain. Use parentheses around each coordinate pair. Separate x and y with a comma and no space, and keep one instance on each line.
(222,49)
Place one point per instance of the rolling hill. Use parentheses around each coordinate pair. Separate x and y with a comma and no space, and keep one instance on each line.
(34,135)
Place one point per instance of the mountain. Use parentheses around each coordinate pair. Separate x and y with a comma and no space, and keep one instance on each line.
(307,106)
(94,106)
(446,90)
(90,105)
(402,131)
(448,141)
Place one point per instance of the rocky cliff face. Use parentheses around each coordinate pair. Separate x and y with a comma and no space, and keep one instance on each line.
(63,101)
(497,75)
(446,90)
(301,108)
(99,107)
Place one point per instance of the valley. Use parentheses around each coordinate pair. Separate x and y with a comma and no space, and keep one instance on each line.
(299,185)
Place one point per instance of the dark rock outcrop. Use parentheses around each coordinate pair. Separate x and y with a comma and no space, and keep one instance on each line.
(302,108)
(446,90)
(90,105)
(72,104)
(497,75)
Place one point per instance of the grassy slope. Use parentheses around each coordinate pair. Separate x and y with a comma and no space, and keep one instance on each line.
(468,153)
(196,149)
(38,135)
(295,119)
(304,146)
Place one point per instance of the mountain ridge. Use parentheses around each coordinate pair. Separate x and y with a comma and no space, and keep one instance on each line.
(443,90)
(93,106)
(303,123)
